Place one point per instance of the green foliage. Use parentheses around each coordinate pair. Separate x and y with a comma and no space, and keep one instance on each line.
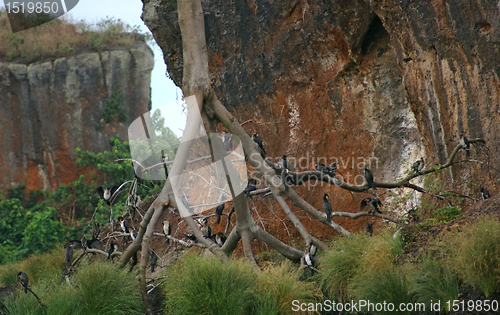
(113,107)
(278,286)
(103,289)
(382,283)
(434,281)
(341,264)
(199,285)
(474,254)
(445,214)
(98,289)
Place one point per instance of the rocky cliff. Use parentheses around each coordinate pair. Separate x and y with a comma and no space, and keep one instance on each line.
(49,108)
(334,79)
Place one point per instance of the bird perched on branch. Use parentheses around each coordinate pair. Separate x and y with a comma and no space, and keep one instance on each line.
(418,166)
(165,159)
(464,142)
(310,251)
(106,193)
(260,144)
(321,168)
(166,230)
(226,141)
(485,194)
(369,229)
(220,238)
(124,224)
(286,179)
(283,163)
(218,211)
(251,186)
(207,230)
(333,168)
(327,206)
(369,178)
(373,203)
(111,249)
(23,279)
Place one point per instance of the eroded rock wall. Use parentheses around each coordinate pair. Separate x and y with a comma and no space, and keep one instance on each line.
(48,109)
(318,78)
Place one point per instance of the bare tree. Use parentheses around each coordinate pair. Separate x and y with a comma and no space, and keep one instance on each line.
(197,82)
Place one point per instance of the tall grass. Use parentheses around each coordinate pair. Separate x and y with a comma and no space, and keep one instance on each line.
(98,289)
(278,286)
(474,254)
(434,281)
(341,264)
(103,289)
(378,278)
(198,285)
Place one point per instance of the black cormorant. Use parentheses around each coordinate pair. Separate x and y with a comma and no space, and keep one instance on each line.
(251,186)
(418,166)
(218,211)
(369,178)
(166,230)
(207,230)
(23,279)
(260,144)
(485,194)
(327,206)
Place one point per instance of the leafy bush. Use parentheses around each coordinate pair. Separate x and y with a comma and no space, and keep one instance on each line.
(200,285)
(113,107)
(475,254)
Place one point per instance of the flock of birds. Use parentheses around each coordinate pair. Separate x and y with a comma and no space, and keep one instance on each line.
(107,194)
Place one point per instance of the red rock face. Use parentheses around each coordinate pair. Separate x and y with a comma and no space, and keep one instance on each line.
(329,79)
(49,109)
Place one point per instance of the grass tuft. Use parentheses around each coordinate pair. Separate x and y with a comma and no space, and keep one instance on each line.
(198,285)
(434,281)
(341,264)
(475,254)
(279,286)
(103,289)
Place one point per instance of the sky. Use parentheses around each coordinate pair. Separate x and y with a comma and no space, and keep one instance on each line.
(164,92)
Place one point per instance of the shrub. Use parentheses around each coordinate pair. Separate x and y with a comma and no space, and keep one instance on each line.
(103,289)
(278,286)
(198,285)
(341,264)
(434,281)
(475,254)
(382,284)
